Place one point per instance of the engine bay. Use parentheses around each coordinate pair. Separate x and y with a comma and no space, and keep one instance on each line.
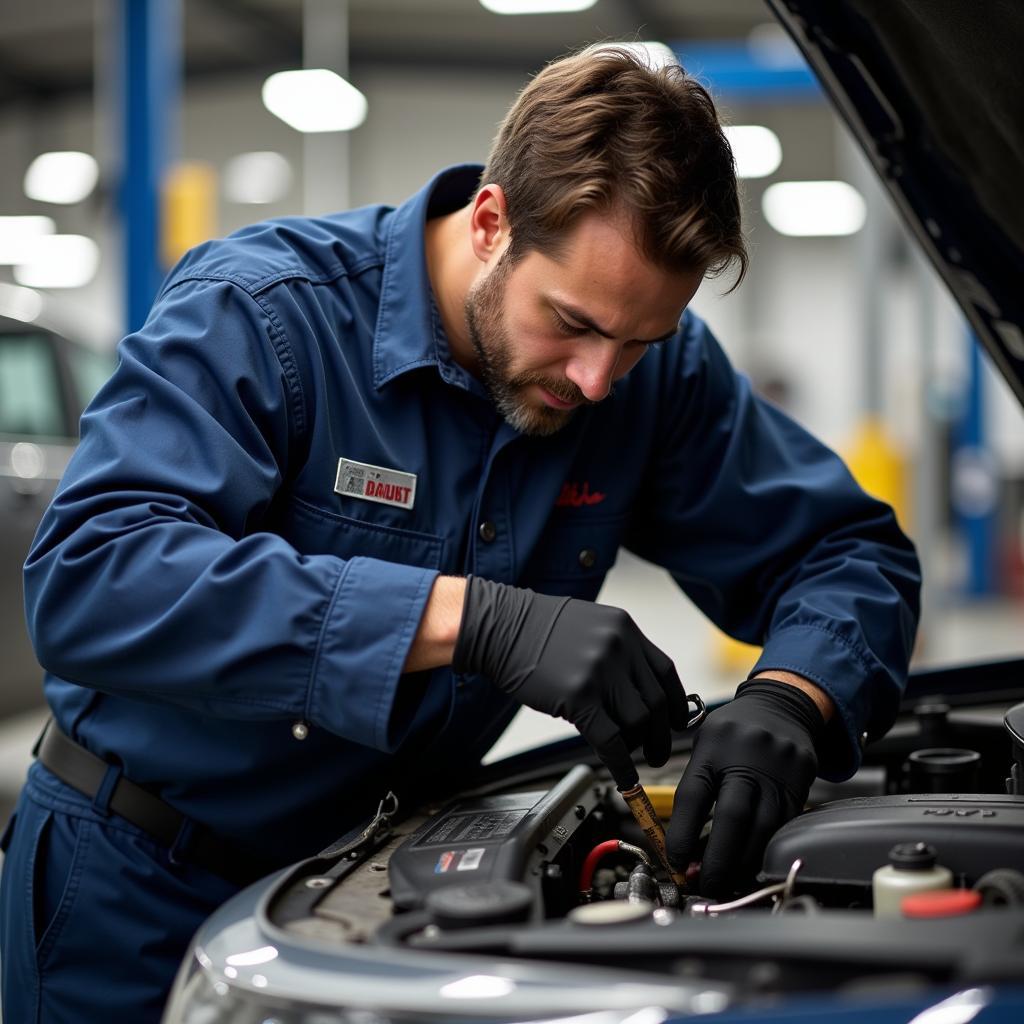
(547,864)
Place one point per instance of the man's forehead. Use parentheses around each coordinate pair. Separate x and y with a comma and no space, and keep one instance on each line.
(601,252)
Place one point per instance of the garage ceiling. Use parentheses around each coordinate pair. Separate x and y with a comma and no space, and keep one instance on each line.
(47,46)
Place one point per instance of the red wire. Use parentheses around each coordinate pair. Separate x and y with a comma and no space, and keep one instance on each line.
(589,865)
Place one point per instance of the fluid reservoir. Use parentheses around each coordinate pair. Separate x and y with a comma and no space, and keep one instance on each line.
(911,869)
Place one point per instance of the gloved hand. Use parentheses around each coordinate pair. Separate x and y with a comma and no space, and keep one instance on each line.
(755,760)
(585,662)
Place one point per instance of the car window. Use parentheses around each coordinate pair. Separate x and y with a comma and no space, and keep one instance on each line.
(89,371)
(30,396)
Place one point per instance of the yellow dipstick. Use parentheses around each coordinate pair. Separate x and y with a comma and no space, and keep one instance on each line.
(640,806)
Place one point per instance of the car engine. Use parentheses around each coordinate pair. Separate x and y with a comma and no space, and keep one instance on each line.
(548,865)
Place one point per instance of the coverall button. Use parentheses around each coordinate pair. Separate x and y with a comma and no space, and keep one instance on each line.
(488,531)
(587,558)
(300,730)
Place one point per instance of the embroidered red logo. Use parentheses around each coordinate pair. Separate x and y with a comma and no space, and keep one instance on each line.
(576,496)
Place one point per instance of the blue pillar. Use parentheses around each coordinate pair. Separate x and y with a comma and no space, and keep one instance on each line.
(975,484)
(150,59)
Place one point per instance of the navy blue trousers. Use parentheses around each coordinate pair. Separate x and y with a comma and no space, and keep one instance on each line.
(94,918)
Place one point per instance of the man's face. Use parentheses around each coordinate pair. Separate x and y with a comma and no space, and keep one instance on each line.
(553,334)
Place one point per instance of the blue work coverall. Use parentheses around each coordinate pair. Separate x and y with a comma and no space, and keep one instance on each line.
(228,630)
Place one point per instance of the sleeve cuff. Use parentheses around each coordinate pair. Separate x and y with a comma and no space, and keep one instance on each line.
(860,688)
(368,628)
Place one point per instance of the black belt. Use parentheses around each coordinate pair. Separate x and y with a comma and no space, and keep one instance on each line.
(187,841)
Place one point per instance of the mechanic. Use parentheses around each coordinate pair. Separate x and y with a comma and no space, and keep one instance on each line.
(347,502)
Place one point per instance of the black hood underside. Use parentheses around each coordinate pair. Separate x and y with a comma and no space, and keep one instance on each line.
(933,90)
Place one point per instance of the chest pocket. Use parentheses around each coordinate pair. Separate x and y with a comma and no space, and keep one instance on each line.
(574,555)
(315,531)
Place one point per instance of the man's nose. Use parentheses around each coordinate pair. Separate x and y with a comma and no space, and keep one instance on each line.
(592,367)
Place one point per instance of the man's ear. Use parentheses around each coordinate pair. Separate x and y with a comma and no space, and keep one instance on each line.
(488,224)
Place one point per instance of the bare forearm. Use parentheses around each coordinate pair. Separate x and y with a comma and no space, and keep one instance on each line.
(434,642)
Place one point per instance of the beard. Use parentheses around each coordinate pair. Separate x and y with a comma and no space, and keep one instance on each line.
(485,310)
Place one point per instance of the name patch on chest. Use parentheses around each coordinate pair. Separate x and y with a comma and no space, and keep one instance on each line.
(375,483)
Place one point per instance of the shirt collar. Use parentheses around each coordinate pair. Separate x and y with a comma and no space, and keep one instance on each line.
(409,334)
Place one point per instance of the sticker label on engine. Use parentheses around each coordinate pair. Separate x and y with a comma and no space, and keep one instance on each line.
(471,859)
(475,827)
(459,860)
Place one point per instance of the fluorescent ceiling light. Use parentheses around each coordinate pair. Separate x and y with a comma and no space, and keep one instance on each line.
(315,100)
(260,177)
(61,177)
(19,303)
(59,261)
(17,234)
(536,6)
(654,54)
(757,150)
(807,208)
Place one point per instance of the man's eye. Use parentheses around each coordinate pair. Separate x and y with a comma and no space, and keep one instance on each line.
(565,327)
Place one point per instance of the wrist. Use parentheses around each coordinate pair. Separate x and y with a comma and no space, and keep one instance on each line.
(822,701)
(434,643)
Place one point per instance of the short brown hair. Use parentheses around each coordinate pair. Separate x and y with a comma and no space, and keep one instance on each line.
(600,129)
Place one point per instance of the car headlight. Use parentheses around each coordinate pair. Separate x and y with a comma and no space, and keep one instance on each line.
(199,996)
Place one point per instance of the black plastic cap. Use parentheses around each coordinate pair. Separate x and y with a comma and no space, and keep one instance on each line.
(913,856)
(478,904)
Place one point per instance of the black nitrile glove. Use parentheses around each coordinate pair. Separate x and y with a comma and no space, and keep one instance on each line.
(754,759)
(585,662)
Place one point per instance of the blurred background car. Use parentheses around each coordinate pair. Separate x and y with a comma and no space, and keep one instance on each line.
(46,380)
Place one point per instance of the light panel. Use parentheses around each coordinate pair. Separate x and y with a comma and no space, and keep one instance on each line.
(59,261)
(17,235)
(64,176)
(259,177)
(314,100)
(756,149)
(814,208)
(536,6)
(654,54)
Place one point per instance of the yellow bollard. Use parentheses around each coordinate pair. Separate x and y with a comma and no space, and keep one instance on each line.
(879,466)
(189,209)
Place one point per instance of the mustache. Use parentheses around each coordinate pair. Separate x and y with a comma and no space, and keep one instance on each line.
(557,386)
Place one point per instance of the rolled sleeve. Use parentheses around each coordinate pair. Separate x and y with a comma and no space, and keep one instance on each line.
(369,627)
(825,656)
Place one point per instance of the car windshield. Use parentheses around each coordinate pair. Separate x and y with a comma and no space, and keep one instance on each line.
(30,398)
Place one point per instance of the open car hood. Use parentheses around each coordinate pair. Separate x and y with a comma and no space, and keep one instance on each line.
(934,94)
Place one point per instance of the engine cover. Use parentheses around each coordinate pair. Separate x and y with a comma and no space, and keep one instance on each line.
(841,843)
